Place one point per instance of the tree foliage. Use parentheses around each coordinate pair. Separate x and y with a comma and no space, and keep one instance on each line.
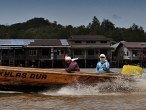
(40,28)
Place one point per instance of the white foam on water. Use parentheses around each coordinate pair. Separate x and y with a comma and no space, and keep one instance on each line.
(72,90)
(78,90)
(106,88)
(119,86)
(140,83)
(9,92)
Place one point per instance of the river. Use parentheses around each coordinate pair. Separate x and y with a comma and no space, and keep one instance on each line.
(119,96)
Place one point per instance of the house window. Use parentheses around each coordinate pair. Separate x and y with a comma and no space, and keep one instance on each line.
(90,42)
(127,53)
(90,52)
(103,42)
(32,52)
(134,53)
(62,52)
(19,52)
(78,42)
(5,51)
(46,52)
(78,52)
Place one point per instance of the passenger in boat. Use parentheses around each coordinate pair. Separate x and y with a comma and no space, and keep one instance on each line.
(103,65)
(72,65)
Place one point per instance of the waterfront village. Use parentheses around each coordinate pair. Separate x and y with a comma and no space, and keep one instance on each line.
(50,53)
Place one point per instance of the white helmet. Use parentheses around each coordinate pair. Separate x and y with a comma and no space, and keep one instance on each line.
(67,58)
(102,56)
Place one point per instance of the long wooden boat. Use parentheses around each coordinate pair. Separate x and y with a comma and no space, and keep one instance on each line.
(35,79)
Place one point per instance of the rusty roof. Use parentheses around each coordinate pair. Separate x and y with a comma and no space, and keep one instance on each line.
(34,43)
(89,37)
(134,44)
(49,42)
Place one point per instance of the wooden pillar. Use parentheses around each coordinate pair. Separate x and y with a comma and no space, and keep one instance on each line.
(85,58)
(52,56)
(26,63)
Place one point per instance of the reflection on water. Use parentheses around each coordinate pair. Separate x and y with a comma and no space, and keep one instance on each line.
(120,95)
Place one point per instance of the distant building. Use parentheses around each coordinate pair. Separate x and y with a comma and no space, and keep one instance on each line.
(50,53)
(129,53)
(33,52)
(88,48)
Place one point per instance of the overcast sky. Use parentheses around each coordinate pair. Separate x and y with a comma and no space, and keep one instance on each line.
(122,13)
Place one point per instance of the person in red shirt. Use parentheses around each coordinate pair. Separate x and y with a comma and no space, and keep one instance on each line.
(72,65)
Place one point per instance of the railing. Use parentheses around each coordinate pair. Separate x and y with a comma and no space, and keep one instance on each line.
(91,57)
(86,57)
(79,56)
(133,57)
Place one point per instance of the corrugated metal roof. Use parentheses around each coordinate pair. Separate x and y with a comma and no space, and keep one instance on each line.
(64,42)
(9,47)
(134,44)
(15,42)
(89,37)
(45,42)
(33,42)
(49,42)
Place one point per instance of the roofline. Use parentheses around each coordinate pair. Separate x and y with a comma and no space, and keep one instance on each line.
(89,39)
(47,46)
(91,47)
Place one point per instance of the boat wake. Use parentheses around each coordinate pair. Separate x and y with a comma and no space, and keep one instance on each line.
(119,86)
(10,92)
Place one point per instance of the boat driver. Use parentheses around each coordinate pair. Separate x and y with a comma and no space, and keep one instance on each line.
(72,65)
(103,65)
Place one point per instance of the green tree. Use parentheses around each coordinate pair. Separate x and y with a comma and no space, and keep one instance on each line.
(40,28)
(94,26)
(107,26)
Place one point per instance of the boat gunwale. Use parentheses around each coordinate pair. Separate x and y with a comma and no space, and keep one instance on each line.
(60,72)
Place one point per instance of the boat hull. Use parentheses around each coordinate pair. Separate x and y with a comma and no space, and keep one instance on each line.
(35,80)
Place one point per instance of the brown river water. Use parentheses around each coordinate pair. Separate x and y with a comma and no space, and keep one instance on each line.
(119,96)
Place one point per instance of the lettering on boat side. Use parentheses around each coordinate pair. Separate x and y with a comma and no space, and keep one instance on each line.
(11,74)
(23,75)
(38,76)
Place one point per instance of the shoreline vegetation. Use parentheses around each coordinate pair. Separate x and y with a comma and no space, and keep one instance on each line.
(40,28)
